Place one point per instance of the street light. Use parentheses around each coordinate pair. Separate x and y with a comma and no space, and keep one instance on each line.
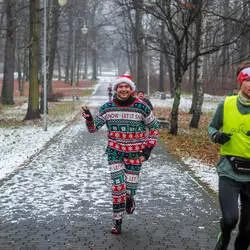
(45,67)
(62,2)
(84,31)
(146,41)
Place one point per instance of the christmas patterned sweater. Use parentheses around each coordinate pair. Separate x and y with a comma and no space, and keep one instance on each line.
(127,124)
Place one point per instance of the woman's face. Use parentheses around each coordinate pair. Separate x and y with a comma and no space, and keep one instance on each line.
(245,88)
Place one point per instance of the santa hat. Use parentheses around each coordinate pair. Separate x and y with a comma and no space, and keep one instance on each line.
(125,78)
(243,75)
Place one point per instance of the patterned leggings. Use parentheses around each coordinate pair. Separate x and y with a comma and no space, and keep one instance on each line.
(125,176)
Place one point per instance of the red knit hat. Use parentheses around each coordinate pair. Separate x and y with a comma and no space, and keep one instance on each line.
(243,75)
(124,78)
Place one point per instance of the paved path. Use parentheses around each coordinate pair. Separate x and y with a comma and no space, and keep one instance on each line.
(62,200)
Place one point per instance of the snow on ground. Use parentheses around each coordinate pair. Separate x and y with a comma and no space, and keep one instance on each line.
(206,173)
(18,144)
(210,102)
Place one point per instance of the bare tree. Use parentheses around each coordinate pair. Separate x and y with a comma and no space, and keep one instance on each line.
(171,14)
(129,17)
(33,105)
(52,39)
(93,35)
(138,35)
(69,47)
(162,71)
(198,90)
(52,28)
(9,55)
(180,17)
(244,43)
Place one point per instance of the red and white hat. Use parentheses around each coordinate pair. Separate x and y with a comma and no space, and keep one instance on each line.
(243,75)
(125,78)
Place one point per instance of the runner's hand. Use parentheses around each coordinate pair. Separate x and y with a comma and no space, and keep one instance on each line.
(222,138)
(146,153)
(142,158)
(86,113)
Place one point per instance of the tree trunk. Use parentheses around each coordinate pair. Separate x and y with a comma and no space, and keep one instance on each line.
(69,50)
(94,64)
(52,41)
(78,68)
(198,92)
(170,76)
(33,105)
(59,65)
(19,71)
(195,84)
(162,71)
(194,123)
(177,94)
(248,33)
(140,76)
(9,56)
(24,76)
(94,53)
(176,103)
(86,60)
(161,77)
(225,51)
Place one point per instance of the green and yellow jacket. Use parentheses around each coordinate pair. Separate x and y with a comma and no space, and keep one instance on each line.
(232,117)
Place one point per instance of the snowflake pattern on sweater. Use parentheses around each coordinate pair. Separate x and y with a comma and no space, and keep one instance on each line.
(127,128)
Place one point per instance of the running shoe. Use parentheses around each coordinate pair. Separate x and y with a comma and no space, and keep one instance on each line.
(219,242)
(130,205)
(117,229)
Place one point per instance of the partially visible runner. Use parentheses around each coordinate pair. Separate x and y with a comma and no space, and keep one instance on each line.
(127,119)
(110,91)
(141,95)
(230,127)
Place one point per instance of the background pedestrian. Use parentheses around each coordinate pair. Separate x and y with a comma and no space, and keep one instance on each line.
(141,95)
(110,91)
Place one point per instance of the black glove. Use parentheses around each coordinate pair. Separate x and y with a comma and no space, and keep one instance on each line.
(146,152)
(222,138)
(86,114)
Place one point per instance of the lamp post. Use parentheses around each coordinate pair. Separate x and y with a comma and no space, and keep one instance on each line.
(84,31)
(148,62)
(45,67)
(148,76)
(148,69)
